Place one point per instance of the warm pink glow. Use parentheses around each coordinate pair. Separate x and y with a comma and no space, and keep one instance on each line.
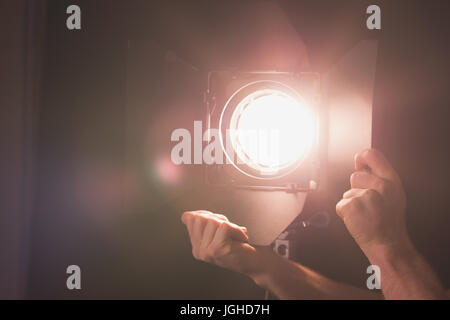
(167,171)
(273,130)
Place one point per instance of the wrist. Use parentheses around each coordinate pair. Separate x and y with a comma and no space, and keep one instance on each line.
(404,272)
(263,262)
(388,253)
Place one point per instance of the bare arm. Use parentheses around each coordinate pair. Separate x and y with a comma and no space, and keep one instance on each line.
(405,274)
(216,240)
(289,280)
(374,214)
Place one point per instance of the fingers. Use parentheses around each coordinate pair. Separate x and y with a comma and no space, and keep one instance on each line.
(209,214)
(188,215)
(367,180)
(231,231)
(377,163)
(224,235)
(363,180)
(341,205)
(356,200)
(207,229)
(188,219)
(197,231)
(208,235)
(353,193)
(374,205)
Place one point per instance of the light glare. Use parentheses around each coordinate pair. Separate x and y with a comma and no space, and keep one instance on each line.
(273,130)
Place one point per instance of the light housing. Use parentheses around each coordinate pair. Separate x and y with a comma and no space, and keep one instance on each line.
(341,99)
(272,120)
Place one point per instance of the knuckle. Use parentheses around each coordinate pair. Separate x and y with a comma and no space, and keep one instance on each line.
(223,226)
(339,208)
(371,152)
(193,217)
(202,255)
(370,194)
(222,217)
(346,207)
(353,178)
(194,253)
(201,221)
(187,217)
(206,215)
(355,204)
(384,187)
(214,223)
(219,225)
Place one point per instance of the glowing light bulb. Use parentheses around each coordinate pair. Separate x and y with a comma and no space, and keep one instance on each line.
(272,130)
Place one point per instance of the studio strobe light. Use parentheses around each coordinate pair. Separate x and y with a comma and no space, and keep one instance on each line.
(288,133)
(269,129)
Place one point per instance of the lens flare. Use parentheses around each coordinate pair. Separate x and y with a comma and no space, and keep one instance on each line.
(272,130)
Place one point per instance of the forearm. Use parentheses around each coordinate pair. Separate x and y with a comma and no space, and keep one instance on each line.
(405,274)
(289,280)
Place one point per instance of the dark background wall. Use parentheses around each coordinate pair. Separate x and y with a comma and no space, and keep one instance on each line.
(121,226)
(22,38)
(12,80)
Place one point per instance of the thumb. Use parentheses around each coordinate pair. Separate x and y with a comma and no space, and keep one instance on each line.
(231,231)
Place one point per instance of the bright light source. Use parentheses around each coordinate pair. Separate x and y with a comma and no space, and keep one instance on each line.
(272,130)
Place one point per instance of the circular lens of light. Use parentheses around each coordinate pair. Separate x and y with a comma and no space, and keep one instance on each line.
(273,130)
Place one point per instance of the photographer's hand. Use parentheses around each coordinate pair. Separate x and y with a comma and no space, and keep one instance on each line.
(216,240)
(373,211)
